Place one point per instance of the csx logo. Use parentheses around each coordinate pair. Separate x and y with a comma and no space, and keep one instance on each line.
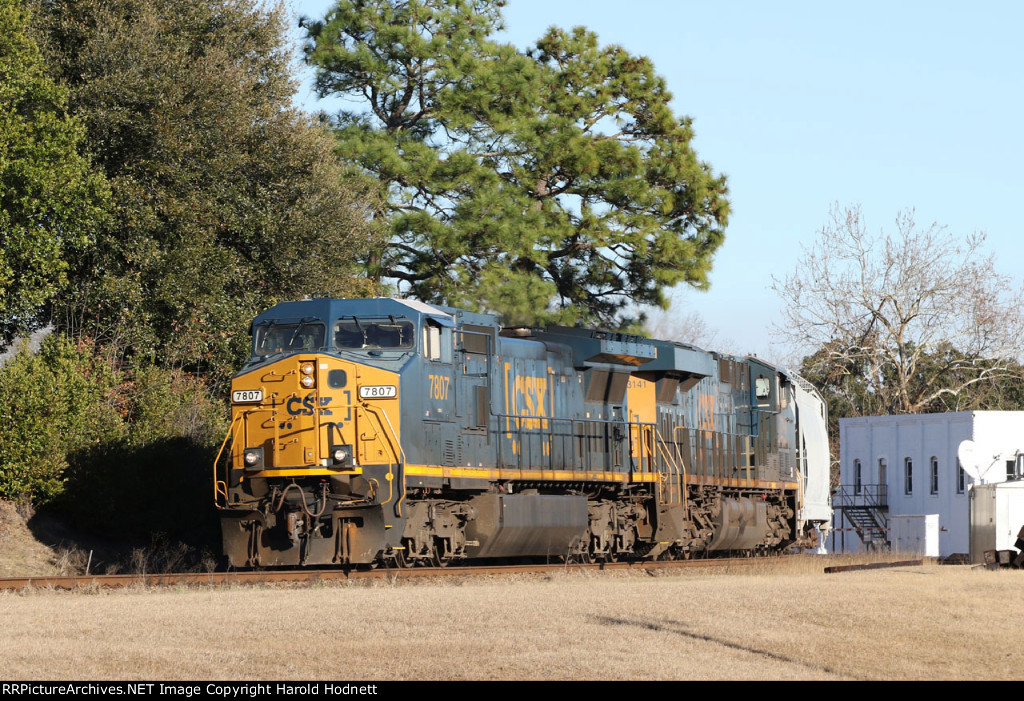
(304,406)
(531,392)
(706,411)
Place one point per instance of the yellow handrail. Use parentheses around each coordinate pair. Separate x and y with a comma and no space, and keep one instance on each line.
(670,461)
(398,455)
(220,488)
(679,467)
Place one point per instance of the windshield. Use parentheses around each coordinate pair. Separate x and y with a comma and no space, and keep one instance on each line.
(373,333)
(286,338)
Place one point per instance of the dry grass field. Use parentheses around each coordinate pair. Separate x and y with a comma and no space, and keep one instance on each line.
(777,621)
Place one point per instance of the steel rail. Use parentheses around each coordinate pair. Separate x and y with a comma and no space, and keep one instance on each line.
(311,576)
(873,566)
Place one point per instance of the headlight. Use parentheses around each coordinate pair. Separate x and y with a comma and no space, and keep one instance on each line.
(342,456)
(307,381)
(253,458)
(307,368)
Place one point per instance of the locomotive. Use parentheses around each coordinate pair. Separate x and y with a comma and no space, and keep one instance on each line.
(390,431)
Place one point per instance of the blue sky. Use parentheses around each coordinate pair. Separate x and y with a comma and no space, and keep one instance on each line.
(885,105)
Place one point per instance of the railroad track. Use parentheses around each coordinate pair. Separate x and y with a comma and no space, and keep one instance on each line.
(309,576)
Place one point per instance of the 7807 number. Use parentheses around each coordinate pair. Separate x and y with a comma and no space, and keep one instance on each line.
(378,392)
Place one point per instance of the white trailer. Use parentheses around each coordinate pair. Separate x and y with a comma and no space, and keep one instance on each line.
(997,515)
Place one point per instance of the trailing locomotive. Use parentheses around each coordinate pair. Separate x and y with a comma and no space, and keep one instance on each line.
(391,430)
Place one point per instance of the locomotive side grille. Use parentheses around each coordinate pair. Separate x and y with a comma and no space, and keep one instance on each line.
(450,455)
(787,464)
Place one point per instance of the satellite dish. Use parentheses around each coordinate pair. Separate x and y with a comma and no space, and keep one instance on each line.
(970,459)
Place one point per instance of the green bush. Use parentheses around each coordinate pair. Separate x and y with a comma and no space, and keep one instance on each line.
(168,404)
(120,451)
(157,476)
(64,398)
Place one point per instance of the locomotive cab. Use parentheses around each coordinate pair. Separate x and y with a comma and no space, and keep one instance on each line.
(315,436)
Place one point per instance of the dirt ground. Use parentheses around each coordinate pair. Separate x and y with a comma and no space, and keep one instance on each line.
(21,552)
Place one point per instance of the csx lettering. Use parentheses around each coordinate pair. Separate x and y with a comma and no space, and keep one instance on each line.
(531,392)
(300,407)
(439,386)
(706,411)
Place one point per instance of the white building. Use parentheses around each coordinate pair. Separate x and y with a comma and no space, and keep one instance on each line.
(911,464)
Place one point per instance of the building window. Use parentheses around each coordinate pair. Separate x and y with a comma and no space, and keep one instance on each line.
(857,485)
(908,476)
(961,477)
(934,487)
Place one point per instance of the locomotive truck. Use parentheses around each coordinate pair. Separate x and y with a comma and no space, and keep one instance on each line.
(391,431)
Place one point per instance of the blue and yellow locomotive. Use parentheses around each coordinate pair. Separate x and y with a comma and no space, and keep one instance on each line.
(391,430)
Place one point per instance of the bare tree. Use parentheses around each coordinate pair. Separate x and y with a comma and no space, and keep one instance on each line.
(916,318)
(689,327)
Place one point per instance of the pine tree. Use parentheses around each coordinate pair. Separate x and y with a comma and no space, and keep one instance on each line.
(552,185)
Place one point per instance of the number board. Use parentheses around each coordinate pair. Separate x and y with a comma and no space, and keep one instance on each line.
(378,392)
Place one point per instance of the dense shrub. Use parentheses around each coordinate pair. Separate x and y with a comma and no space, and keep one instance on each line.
(62,399)
(158,478)
(169,404)
(121,451)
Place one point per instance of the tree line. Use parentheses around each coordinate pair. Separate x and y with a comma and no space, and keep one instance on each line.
(158,188)
(906,320)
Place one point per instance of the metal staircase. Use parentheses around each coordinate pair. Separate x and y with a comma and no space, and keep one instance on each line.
(867,511)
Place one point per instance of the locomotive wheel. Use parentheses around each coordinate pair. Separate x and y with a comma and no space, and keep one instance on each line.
(437,555)
(591,558)
(400,560)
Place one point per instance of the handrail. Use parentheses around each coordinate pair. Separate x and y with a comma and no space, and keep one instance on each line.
(520,431)
(682,460)
(680,473)
(870,495)
(221,487)
(398,455)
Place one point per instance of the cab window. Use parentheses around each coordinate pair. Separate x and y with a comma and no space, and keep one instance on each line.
(762,388)
(374,334)
(437,342)
(288,338)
